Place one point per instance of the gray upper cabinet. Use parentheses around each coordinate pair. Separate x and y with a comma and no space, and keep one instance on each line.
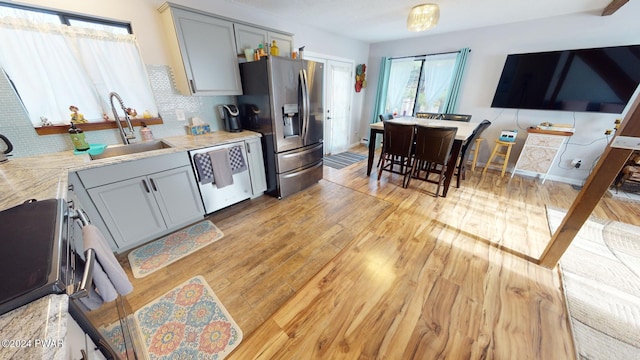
(248,37)
(204,52)
(284,42)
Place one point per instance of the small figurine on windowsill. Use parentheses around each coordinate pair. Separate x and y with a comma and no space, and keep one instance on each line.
(105,117)
(76,117)
(132,113)
(44,121)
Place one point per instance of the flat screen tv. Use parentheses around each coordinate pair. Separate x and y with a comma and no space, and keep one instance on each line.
(598,80)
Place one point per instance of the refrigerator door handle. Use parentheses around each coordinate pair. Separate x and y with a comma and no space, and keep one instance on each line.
(305,104)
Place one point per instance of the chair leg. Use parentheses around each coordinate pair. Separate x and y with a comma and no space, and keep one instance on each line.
(506,159)
(381,154)
(475,154)
(381,166)
(409,174)
(493,154)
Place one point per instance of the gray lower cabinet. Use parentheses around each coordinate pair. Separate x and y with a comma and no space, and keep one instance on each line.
(133,202)
(256,166)
(203,49)
(142,208)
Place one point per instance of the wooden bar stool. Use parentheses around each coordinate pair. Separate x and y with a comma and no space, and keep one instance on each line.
(475,153)
(496,152)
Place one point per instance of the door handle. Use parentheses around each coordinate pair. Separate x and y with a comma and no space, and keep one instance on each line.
(146,187)
(153,184)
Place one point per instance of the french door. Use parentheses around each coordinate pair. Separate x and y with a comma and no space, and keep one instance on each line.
(339,92)
(339,82)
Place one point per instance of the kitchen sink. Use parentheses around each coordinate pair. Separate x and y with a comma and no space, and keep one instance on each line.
(135,148)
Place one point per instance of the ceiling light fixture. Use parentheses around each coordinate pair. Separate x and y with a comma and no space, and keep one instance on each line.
(423,17)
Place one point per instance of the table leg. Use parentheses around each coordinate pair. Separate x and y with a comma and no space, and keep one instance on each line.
(373,134)
(451,166)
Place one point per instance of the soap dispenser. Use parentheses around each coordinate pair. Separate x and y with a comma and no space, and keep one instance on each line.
(78,139)
(145,132)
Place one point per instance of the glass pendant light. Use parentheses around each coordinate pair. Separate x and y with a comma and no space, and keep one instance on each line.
(423,17)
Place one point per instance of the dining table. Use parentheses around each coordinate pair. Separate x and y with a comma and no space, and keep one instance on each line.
(465,130)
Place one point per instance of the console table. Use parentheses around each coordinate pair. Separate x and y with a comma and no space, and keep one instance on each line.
(540,151)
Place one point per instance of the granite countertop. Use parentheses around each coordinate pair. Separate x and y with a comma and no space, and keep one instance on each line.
(45,176)
(36,330)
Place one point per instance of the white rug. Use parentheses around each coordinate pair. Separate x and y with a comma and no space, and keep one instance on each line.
(601,278)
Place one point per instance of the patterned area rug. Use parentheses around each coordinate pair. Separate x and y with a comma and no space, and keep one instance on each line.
(344,159)
(171,248)
(188,322)
(601,279)
(113,333)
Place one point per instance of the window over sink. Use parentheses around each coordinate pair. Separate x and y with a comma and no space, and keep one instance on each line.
(63,66)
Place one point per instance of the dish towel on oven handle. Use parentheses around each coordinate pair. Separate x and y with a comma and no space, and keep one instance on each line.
(221,166)
(109,278)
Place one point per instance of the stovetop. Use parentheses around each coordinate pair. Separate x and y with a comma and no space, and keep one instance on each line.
(34,253)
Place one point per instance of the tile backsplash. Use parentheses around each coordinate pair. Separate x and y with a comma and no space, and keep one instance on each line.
(15,124)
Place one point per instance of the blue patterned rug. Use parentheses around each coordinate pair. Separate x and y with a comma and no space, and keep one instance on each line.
(188,322)
(171,248)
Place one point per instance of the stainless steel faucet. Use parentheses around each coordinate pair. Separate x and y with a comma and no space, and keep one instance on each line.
(123,134)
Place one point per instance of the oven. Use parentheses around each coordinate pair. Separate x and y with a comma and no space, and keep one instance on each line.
(39,240)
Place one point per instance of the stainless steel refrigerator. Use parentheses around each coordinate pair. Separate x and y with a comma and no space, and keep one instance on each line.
(282,99)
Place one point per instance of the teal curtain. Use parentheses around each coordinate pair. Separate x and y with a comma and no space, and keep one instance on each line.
(383,85)
(456,82)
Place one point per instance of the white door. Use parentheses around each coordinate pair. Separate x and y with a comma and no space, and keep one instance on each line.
(340,82)
(339,85)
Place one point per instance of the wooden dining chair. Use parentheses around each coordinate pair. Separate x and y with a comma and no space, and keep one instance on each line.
(464,152)
(397,144)
(383,117)
(427,115)
(456,117)
(432,152)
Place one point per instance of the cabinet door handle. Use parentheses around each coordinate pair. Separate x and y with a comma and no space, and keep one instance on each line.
(193,86)
(153,184)
(146,187)
(246,145)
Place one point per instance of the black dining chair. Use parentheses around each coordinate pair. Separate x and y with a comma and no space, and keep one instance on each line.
(464,152)
(427,115)
(383,117)
(432,152)
(456,117)
(397,144)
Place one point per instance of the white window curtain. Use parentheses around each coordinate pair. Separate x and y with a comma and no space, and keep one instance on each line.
(54,66)
(400,78)
(426,83)
(436,80)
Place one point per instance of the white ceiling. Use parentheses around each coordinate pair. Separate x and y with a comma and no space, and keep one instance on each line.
(381,20)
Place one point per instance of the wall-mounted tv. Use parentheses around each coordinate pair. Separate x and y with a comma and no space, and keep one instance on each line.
(598,80)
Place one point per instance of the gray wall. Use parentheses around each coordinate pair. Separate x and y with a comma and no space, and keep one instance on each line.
(489,49)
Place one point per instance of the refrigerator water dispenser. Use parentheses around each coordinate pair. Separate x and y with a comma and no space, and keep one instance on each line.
(290,118)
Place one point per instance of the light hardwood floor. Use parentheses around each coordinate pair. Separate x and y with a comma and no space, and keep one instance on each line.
(355,268)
